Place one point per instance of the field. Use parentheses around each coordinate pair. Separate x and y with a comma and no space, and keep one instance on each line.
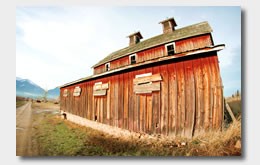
(20,101)
(55,136)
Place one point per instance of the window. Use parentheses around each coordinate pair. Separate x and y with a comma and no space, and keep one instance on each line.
(132,59)
(107,66)
(170,48)
(137,39)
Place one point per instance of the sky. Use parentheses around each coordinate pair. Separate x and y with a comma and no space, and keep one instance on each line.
(57,45)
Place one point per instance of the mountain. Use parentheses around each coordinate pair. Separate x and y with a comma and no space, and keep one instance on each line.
(53,93)
(27,88)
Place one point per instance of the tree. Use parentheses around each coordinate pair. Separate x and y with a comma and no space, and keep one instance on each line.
(238,94)
(45,95)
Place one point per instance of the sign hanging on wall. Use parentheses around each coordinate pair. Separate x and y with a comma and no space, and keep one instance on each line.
(77,91)
(65,93)
(147,83)
(100,89)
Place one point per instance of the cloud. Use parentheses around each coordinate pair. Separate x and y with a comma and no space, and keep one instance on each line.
(58,46)
(227,57)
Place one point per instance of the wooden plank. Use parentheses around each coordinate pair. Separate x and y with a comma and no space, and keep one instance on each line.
(93,111)
(136,106)
(149,108)
(172,99)
(108,103)
(230,112)
(100,92)
(142,108)
(164,99)
(214,88)
(100,86)
(126,81)
(207,92)
(198,95)
(181,98)
(116,99)
(101,109)
(143,88)
(105,110)
(121,101)
(149,113)
(190,99)
(140,80)
(112,101)
(131,100)
(219,103)
(156,105)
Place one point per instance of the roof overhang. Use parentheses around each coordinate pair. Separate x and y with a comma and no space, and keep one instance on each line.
(157,60)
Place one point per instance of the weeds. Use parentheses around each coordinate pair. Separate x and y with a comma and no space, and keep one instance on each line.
(57,137)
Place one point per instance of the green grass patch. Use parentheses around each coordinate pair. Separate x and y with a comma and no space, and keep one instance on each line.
(20,103)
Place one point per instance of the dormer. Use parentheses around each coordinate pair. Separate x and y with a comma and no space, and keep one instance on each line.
(168,25)
(134,38)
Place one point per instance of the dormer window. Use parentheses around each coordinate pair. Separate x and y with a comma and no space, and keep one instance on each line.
(132,59)
(170,48)
(137,39)
(107,66)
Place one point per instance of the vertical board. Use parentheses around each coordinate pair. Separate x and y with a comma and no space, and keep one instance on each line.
(164,99)
(172,99)
(131,100)
(213,91)
(109,102)
(181,98)
(142,107)
(207,92)
(135,106)
(121,101)
(199,96)
(189,99)
(116,99)
(126,82)
(219,107)
(156,105)
(149,108)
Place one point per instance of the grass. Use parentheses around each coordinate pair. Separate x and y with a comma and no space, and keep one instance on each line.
(20,103)
(58,137)
(48,105)
(236,107)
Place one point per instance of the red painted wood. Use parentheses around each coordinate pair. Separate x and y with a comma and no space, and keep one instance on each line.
(185,104)
(189,99)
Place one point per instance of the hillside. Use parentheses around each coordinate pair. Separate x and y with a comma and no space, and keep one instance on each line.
(27,88)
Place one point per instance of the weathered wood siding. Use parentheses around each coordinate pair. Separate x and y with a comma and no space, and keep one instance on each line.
(160,51)
(189,101)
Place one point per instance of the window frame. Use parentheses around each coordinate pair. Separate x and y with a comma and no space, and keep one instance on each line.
(130,61)
(174,47)
(107,64)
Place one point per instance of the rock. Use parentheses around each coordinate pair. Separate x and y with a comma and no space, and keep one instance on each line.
(238,144)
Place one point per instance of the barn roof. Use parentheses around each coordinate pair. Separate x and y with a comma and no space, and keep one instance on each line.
(185,32)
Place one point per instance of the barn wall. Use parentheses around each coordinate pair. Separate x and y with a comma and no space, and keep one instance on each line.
(159,51)
(189,102)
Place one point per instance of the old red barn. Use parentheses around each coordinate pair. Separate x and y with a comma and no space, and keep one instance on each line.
(169,84)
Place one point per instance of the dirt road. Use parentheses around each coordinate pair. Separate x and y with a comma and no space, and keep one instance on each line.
(24,131)
(28,117)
